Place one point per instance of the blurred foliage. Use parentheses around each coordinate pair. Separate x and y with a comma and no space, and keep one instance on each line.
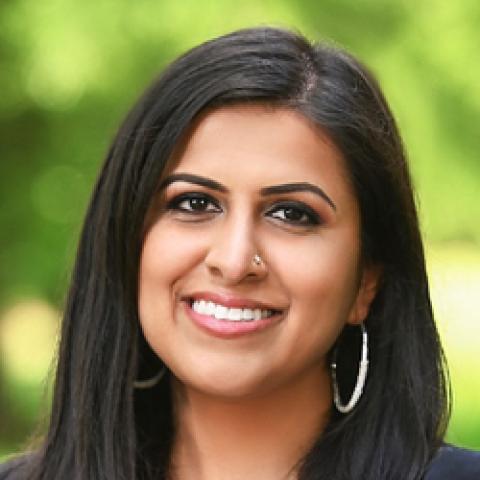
(69,71)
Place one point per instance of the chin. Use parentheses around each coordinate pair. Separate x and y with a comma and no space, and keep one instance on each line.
(224,384)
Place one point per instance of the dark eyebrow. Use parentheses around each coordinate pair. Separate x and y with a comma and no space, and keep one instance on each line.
(298,187)
(274,189)
(190,178)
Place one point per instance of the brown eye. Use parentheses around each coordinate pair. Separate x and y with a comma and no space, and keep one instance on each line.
(296,214)
(194,203)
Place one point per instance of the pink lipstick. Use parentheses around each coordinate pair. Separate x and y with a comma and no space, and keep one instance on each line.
(229,317)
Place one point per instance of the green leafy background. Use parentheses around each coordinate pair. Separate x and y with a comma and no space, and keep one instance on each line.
(70,70)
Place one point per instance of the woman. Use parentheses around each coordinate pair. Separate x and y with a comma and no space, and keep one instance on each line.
(250,297)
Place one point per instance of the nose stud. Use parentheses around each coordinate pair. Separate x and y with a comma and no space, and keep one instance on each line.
(257,259)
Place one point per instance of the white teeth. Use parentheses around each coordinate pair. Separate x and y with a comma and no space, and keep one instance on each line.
(221,312)
(202,304)
(210,308)
(231,314)
(235,314)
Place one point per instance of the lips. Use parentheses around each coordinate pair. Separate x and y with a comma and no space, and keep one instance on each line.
(223,328)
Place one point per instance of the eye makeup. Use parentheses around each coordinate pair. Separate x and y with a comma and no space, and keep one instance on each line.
(295,213)
(265,191)
(193,203)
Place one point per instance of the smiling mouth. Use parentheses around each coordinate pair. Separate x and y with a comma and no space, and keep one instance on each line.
(230,314)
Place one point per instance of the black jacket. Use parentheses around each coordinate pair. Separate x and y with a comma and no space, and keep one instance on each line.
(453,463)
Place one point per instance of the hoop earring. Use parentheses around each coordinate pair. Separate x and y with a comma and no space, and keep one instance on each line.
(150,382)
(361,377)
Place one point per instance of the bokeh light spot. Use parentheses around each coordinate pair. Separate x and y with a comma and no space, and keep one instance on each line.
(28,333)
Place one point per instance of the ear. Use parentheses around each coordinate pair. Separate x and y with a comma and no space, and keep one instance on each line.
(369,284)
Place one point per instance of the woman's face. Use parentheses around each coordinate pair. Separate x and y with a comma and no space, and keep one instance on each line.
(252,180)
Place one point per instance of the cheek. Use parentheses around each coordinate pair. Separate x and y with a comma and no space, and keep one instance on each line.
(321,279)
(320,270)
(166,256)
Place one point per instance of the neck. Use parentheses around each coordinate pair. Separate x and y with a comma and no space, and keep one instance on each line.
(262,437)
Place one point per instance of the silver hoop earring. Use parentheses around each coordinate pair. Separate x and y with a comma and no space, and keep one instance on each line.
(150,382)
(361,377)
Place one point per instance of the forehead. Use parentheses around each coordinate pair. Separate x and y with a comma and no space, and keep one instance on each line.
(261,145)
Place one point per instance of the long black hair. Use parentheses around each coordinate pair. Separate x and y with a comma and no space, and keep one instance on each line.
(101,428)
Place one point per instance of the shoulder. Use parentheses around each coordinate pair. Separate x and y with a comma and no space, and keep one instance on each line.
(454,462)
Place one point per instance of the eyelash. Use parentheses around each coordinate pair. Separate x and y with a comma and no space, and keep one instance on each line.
(312,218)
(174,204)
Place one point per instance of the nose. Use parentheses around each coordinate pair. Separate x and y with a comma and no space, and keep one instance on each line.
(231,256)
